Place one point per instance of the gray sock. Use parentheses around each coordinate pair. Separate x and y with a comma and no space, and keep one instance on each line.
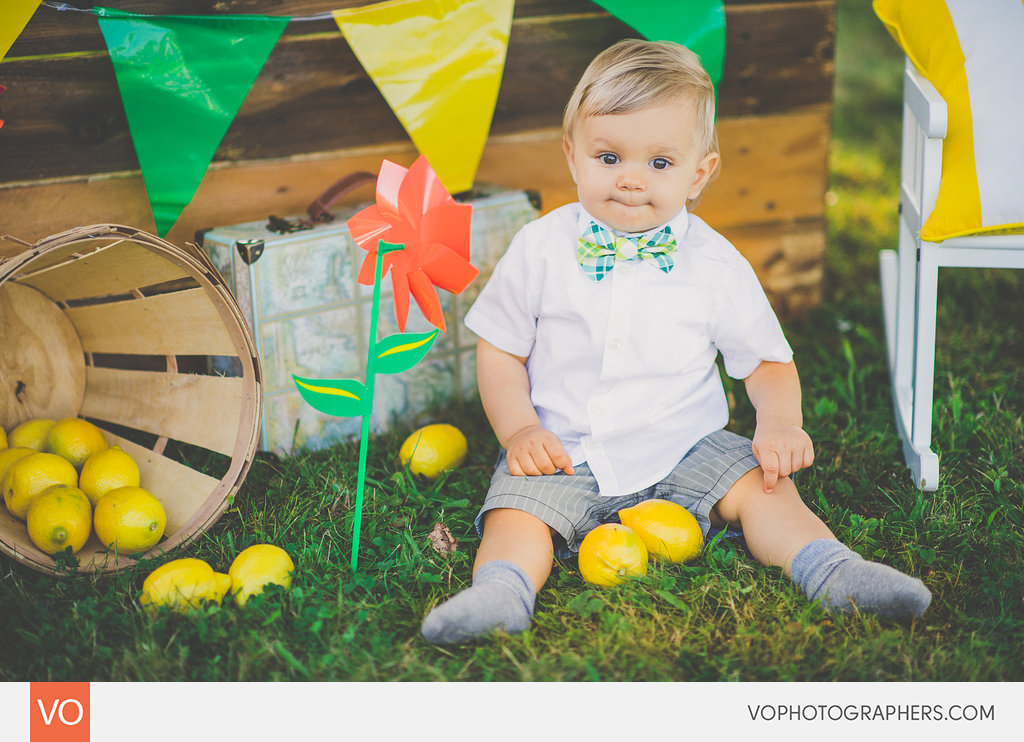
(841,579)
(501,597)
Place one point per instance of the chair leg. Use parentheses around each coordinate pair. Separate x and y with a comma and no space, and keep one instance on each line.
(906,319)
(923,462)
(910,341)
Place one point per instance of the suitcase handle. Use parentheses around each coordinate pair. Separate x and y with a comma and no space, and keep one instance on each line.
(318,209)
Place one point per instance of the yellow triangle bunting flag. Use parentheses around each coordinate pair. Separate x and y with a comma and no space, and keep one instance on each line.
(14,16)
(438,64)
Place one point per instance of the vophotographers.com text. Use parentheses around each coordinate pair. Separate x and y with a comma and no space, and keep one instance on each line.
(871,712)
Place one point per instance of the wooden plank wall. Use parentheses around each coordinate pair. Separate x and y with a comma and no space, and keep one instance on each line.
(313,115)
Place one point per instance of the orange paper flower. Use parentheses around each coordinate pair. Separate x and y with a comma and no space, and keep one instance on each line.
(414,209)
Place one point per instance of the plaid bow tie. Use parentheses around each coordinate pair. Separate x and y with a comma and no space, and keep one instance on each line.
(599,248)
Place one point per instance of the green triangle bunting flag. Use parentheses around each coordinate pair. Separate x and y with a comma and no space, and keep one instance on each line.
(696,24)
(182,81)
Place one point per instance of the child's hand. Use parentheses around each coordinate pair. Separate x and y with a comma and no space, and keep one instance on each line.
(781,450)
(536,450)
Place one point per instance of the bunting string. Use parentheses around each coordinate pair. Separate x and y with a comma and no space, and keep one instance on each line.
(63,7)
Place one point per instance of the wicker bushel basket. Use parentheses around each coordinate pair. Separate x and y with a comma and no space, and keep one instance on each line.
(117,326)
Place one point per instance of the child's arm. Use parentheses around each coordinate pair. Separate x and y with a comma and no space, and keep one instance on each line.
(780,443)
(505,392)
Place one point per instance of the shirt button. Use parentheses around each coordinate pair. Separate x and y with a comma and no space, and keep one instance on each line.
(615,344)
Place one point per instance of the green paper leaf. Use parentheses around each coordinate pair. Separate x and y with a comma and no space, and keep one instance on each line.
(696,24)
(338,397)
(182,80)
(401,351)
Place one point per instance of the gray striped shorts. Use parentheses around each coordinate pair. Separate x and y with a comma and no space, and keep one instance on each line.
(572,506)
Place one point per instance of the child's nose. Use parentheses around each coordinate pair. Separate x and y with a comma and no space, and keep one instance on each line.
(631,180)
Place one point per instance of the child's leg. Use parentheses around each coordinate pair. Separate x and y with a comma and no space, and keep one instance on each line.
(781,531)
(513,562)
(518,537)
(776,526)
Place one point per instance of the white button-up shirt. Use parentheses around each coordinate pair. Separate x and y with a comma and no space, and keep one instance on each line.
(623,370)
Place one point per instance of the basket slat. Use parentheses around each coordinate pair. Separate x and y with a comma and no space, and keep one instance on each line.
(185,407)
(106,271)
(12,530)
(180,489)
(181,323)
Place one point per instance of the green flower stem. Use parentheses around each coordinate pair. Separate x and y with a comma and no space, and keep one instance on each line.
(371,371)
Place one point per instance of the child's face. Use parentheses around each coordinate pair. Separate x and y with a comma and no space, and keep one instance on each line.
(635,171)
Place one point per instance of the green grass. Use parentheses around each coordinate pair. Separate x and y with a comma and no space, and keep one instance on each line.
(723,617)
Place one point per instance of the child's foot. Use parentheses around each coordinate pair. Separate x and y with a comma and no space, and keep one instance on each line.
(841,579)
(501,597)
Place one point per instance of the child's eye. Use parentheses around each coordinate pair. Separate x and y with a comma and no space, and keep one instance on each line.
(660,163)
(608,158)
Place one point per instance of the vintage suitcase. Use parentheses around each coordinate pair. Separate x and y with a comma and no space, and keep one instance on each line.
(310,317)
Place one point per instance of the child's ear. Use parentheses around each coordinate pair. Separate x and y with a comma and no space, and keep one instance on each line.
(705,172)
(567,148)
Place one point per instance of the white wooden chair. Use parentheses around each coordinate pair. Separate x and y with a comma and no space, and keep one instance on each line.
(909,276)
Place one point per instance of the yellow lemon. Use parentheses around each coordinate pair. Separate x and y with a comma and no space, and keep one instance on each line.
(31,434)
(433,449)
(183,584)
(129,519)
(29,476)
(668,530)
(107,470)
(258,566)
(60,516)
(611,553)
(76,440)
(3,439)
(8,456)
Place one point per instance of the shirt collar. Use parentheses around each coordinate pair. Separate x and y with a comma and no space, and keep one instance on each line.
(679,224)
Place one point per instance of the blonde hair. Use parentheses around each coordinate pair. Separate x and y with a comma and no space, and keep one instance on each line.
(634,74)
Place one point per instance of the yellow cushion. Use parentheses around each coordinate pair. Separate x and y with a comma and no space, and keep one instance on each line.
(972,53)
